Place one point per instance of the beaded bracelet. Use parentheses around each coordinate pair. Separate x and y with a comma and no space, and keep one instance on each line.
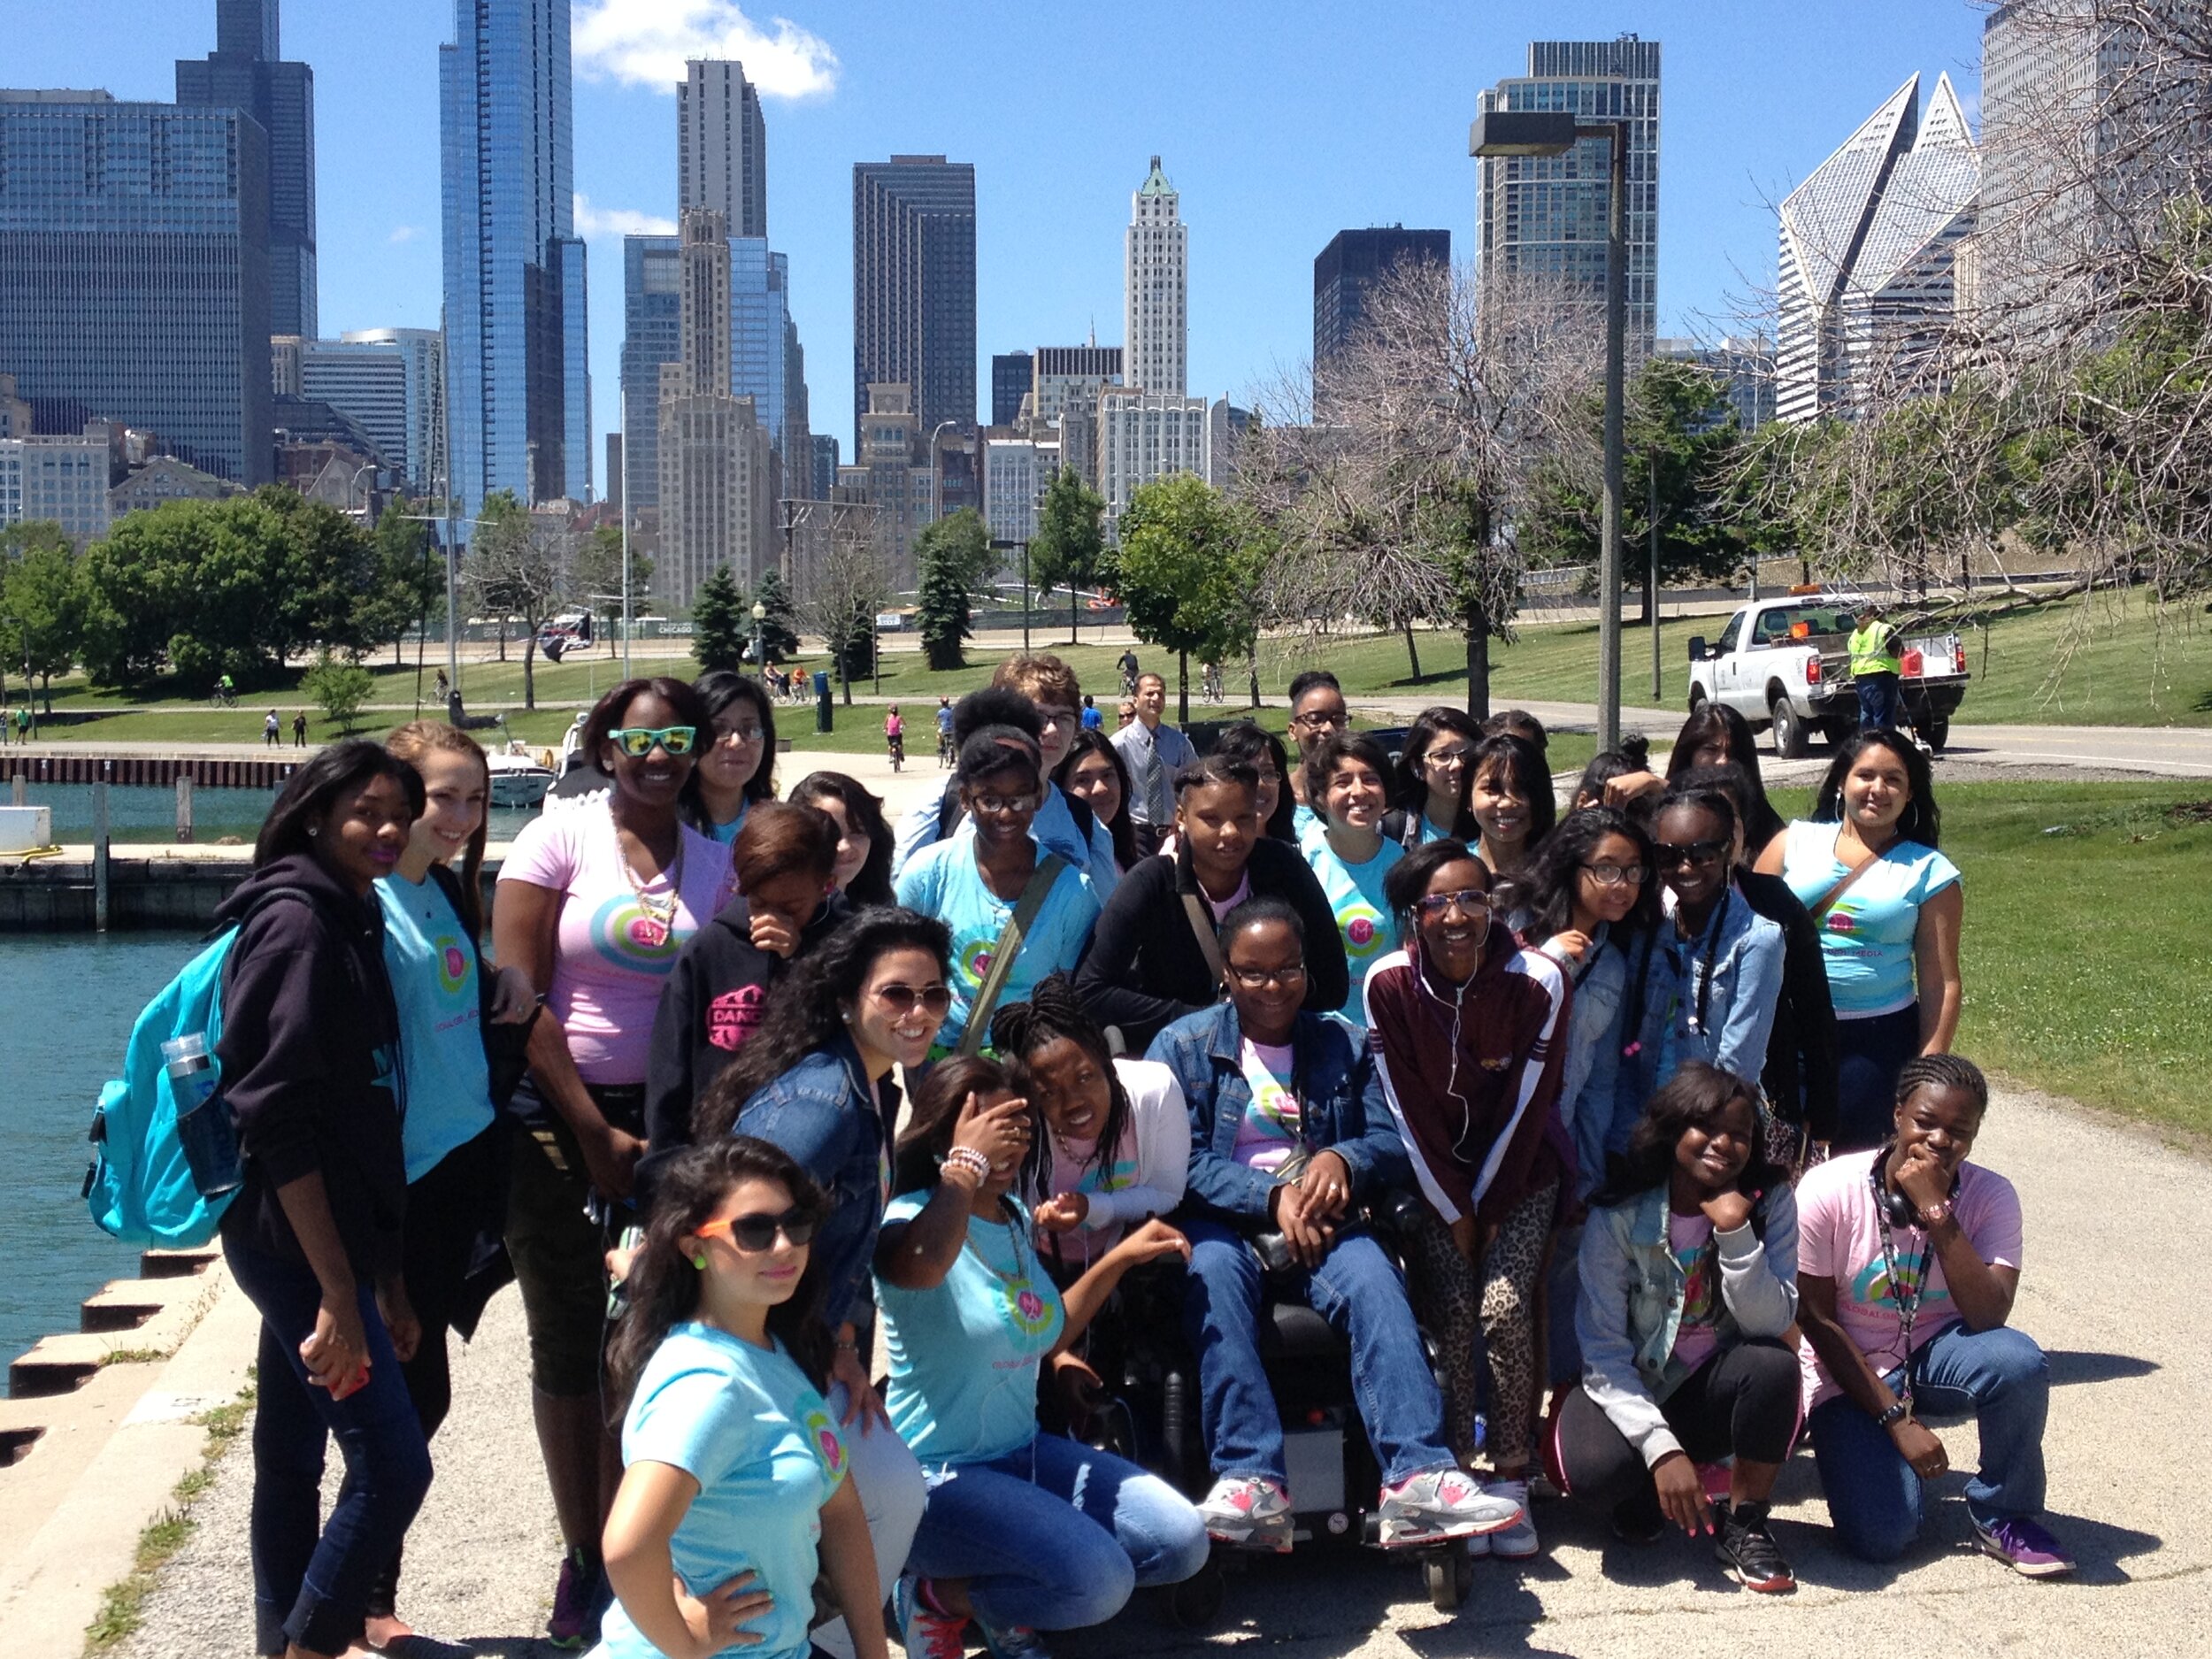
(969,1159)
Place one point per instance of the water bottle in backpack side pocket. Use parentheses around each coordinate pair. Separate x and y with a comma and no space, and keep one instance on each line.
(205,1130)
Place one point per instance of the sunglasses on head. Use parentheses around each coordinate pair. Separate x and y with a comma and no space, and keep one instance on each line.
(1668,854)
(637,741)
(755,1234)
(935,1000)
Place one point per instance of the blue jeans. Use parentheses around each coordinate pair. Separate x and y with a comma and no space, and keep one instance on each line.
(2000,1378)
(1055,1535)
(1877,701)
(1869,1053)
(312,1577)
(1357,1290)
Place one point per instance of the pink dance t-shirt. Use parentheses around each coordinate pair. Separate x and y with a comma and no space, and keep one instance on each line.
(1839,1237)
(612,955)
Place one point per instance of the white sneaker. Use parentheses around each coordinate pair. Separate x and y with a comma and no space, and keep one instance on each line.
(1516,1541)
(1443,1504)
(1249,1511)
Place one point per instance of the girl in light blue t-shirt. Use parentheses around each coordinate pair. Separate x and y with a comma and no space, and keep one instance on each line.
(733,1492)
(970,1317)
(1346,784)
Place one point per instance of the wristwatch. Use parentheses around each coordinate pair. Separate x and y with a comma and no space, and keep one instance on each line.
(1934,1216)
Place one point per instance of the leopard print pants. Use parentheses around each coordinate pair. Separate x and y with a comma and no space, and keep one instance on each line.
(1456,1301)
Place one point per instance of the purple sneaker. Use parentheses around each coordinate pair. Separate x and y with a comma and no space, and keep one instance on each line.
(570,1626)
(2024,1545)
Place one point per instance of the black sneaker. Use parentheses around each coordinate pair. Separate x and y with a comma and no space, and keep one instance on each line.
(1748,1549)
(1640,1520)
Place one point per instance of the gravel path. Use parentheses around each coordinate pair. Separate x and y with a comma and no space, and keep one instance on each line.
(2110,1213)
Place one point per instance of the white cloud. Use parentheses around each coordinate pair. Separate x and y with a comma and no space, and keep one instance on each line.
(645,43)
(405,233)
(617,221)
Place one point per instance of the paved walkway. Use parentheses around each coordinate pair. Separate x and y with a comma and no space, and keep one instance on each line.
(2114,1222)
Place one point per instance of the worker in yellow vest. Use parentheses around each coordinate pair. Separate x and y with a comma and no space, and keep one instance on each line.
(1874,667)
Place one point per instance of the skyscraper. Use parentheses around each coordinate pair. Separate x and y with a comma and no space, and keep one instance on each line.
(1155,282)
(652,333)
(914,287)
(1545,216)
(824,476)
(722,145)
(1011,377)
(134,270)
(244,72)
(1072,377)
(716,494)
(1869,246)
(517,364)
(1351,263)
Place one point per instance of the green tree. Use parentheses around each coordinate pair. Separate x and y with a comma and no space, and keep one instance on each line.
(599,580)
(778,634)
(406,582)
(42,598)
(720,627)
(340,689)
(1069,541)
(953,559)
(519,566)
(1185,574)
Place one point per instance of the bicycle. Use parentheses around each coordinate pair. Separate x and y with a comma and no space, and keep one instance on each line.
(222,697)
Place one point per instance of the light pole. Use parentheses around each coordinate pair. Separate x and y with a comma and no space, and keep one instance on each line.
(760,636)
(1508,134)
(368,500)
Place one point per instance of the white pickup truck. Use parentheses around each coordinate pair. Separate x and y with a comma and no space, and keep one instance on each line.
(1782,662)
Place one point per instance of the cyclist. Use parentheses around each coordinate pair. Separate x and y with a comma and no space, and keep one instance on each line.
(226,691)
(895,735)
(945,755)
(1128,666)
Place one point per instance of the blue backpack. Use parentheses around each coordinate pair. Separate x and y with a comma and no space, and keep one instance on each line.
(166,1160)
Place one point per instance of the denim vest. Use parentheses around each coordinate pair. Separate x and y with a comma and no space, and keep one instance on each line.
(823,1112)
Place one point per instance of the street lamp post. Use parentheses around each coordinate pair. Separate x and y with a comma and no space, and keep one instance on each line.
(760,639)
(1506,133)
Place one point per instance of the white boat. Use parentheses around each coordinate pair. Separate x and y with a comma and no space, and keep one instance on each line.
(518,780)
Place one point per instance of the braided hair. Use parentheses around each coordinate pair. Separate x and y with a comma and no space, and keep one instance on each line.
(1943,1071)
(1054,1011)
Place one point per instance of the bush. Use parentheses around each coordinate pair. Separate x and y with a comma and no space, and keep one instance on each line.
(340,689)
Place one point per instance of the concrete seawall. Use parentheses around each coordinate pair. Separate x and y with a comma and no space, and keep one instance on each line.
(147,886)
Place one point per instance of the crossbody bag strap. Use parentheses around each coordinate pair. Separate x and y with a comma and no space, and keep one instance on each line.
(1201,924)
(1008,949)
(1827,901)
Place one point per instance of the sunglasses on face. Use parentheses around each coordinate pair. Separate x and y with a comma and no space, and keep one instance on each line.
(739,734)
(1263,978)
(637,741)
(1000,805)
(935,1000)
(1321,719)
(1668,854)
(1613,875)
(1468,900)
(755,1234)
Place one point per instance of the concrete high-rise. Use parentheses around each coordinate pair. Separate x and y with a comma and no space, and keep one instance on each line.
(246,71)
(1545,216)
(392,381)
(914,287)
(717,462)
(1351,265)
(1867,279)
(1156,284)
(1074,376)
(722,145)
(1144,436)
(134,270)
(516,359)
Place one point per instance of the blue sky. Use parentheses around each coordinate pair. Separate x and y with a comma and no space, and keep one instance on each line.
(1281,123)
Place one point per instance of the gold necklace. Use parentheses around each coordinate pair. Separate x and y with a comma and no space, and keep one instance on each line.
(661,911)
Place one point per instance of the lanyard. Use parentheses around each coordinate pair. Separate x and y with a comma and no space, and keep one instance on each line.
(1705,969)
(1908,1302)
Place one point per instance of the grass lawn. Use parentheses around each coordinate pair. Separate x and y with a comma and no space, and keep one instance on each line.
(2087,962)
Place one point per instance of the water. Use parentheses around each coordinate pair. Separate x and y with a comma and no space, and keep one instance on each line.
(53,1070)
(142,816)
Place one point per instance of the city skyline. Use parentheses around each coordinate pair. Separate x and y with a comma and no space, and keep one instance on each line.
(1051,219)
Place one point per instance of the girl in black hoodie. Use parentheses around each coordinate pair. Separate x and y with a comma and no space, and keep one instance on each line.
(310,1058)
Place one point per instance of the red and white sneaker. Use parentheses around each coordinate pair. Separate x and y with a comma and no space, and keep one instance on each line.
(1426,1508)
(1249,1511)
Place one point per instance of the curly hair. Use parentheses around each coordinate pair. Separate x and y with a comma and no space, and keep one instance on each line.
(938,1101)
(805,1009)
(1332,752)
(1693,1098)
(1053,1012)
(661,1290)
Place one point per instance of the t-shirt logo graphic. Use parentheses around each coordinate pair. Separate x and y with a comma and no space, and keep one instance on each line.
(631,937)
(1362,928)
(975,961)
(1032,1313)
(453,964)
(731,1016)
(822,1438)
(1872,1288)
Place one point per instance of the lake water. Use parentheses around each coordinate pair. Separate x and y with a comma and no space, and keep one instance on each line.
(149,815)
(53,1069)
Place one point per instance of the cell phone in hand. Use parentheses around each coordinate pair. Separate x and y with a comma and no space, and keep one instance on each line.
(352,1385)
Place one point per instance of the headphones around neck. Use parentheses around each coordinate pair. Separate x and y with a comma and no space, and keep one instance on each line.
(1899,1210)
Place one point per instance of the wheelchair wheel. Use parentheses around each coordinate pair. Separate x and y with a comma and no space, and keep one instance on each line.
(1196,1603)
(1447,1575)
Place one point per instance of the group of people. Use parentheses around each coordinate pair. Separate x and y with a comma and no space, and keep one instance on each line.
(1645,1114)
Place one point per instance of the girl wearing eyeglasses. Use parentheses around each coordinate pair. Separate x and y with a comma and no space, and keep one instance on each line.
(1466,1028)
(595,903)
(1431,780)
(737,755)
(735,1492)
(1025,1531)
(1724,959)
(814,1079)
(975,883)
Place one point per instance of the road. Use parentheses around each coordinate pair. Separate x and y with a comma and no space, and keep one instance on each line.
(2128,1444)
